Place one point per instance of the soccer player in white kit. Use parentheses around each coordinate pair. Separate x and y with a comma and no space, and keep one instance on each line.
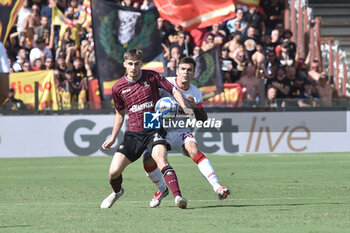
(4,74)
(182,139)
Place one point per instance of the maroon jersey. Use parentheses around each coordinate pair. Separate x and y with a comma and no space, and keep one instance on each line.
(139,96)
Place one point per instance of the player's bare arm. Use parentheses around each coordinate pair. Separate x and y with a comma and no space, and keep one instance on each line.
(181,100)
(118,122)
(199,113)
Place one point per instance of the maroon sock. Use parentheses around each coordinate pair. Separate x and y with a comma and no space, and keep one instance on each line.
(171,180)
(116,183)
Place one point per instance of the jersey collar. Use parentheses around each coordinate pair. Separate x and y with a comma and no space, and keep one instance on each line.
(180,87)
(129,80)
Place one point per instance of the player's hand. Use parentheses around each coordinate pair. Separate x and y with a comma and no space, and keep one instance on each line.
(191,101)
(108,143)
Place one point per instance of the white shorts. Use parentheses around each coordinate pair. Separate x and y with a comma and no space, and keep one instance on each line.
(178,137)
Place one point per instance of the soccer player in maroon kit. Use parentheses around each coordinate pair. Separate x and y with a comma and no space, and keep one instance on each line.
(135,93)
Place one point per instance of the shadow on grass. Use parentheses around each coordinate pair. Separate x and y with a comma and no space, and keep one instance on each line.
(266,205)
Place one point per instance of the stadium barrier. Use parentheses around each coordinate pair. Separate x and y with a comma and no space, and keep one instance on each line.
(240,133)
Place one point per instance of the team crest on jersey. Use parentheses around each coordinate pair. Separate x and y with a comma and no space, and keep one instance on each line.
(145,84)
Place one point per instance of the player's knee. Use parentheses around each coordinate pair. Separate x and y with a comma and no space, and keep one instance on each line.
(113,174)
(192,149)
(148,160)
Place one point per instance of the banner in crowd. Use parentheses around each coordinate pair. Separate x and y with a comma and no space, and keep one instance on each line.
(118,29)
(231,96)
(192,14)
(248,2)
(8,14)
(208,72)
(23,84)
(94,94)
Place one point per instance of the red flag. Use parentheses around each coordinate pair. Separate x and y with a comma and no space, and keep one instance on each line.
(195,13)
(94,94)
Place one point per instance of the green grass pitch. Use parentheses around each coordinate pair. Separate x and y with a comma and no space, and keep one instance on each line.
(270,193)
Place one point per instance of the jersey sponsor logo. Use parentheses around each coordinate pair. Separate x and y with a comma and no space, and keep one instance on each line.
(140,107)
(126,90)
(151,120)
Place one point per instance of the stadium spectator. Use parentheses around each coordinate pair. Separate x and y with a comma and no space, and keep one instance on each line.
(32,21)
(234,43)
(72,86)
(296,86)
(26,40)
(325,91)
(21,58)
(43,31)
(183,44)
(47,10)
(271,100)
(39,50)
(271,64)
(23,13)
(285,59)
(48,64)
(250,41)
(61,64)
(251,86)
(208,43)
(307,97)
(255,19)
(146,4)
(274,11)
(281,83)
(219,37)
(174,33)
(258,57)
(26,67)
(241,58)
(228,67)
(230,24)
(274,41)
(196,51)
(181,139)
(171,68)
(314,73)
(4,74)
(163,28)
(12,103)
(136,139)
(37,64)
(287,38)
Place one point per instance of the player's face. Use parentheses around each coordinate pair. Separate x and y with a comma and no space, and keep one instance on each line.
(185,72)
(133,68)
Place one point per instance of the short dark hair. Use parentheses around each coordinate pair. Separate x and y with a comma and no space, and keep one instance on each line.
(188,60)
(134,54)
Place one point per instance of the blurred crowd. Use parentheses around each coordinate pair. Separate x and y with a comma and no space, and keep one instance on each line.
(255,51)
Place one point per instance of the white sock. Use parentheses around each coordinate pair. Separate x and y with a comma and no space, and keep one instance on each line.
(157,178)
(208,172)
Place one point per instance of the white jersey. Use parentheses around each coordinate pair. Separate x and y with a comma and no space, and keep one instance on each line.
(191,91)
(177,137)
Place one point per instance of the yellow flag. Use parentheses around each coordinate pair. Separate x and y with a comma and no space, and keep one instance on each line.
(56,16)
